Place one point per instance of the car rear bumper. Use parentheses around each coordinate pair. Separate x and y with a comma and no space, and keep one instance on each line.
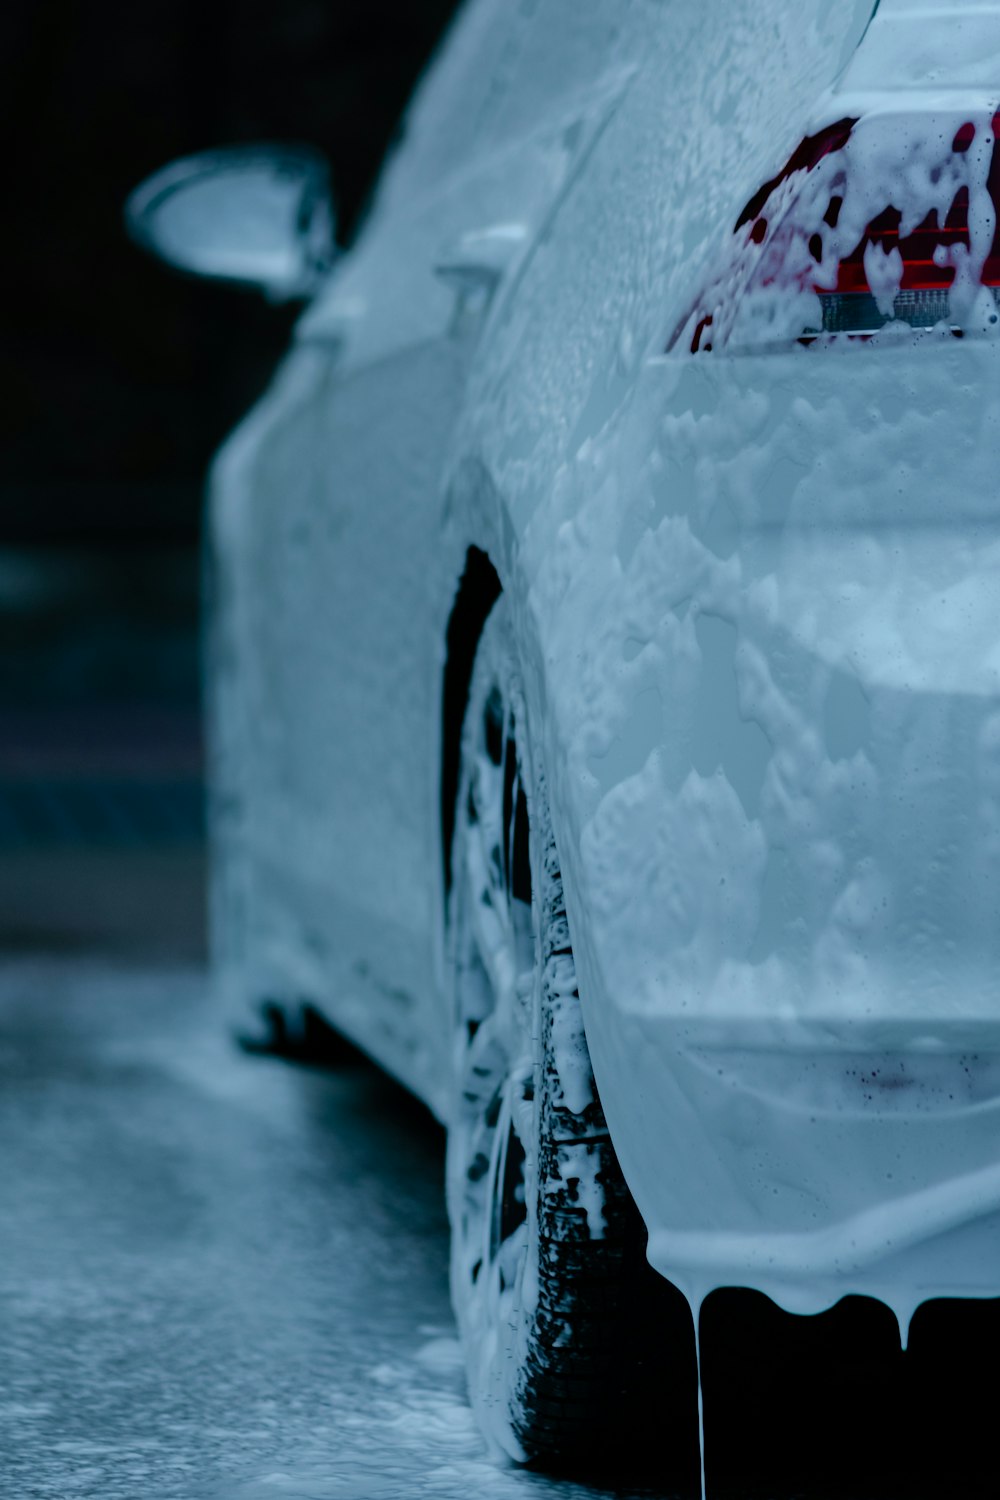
(787,887)
(830,1157)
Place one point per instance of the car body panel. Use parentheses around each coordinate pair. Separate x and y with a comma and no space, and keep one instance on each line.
(753,596)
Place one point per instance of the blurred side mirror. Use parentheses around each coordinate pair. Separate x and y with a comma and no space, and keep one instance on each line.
(261,216)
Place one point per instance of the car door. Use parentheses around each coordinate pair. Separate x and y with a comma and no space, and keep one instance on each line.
(345,592)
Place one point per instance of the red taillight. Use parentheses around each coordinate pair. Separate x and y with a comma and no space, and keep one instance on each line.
(807,154)
(887,219)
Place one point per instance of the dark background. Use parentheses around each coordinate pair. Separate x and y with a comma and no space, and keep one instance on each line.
(119,379)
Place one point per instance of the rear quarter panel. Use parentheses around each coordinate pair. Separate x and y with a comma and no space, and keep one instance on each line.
(754,604)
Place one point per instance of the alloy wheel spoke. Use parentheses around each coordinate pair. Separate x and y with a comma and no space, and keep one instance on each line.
(496,962)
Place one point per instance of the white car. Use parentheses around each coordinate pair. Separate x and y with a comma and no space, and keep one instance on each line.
(605,660)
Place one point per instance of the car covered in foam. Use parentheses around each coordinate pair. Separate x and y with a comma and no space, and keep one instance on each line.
(605,668)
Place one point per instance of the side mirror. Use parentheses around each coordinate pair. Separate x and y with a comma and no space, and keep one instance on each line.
(261,216)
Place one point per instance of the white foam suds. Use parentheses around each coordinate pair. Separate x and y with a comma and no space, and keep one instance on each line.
(754,592)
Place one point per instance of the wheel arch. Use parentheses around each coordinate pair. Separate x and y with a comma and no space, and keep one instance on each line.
(478,590)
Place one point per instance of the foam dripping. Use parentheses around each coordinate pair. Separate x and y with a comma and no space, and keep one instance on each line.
(694,1293)
(901,1301)
(696,1315)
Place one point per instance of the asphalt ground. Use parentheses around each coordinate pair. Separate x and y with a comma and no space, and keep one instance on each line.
(221,1276)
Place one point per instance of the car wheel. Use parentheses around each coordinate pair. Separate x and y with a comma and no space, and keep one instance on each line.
(569,1337)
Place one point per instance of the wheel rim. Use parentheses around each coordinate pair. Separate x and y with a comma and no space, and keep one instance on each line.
(492,1157)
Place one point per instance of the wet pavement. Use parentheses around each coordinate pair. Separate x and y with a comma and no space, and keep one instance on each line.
(222,1277)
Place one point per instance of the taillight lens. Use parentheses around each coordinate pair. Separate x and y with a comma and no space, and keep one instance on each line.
(888,219)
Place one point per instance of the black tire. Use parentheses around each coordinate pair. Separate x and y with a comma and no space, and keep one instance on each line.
(577,1352)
